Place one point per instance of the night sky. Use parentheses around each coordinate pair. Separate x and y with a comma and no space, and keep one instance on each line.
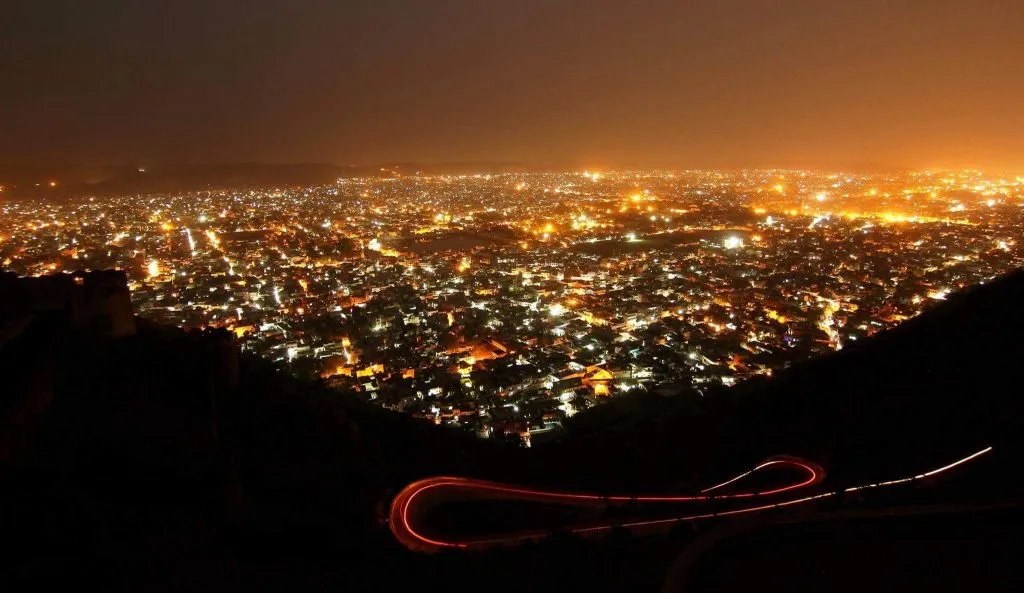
(681,83)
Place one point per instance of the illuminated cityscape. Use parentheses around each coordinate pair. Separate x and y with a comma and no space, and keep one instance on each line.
(503,303)
(503,297)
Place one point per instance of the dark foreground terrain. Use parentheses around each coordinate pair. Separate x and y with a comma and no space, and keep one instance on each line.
(167,461)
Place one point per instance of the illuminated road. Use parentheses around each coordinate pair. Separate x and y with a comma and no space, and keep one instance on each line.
(414,500)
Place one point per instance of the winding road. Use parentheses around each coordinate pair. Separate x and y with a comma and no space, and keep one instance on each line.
(409,506)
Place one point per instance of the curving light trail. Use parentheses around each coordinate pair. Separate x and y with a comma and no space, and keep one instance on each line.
(402,515)
(403,502)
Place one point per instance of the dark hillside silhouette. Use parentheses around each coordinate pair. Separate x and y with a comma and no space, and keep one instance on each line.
(167,460)
(946,382)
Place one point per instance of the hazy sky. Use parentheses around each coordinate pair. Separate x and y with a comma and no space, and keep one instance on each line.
(606,82)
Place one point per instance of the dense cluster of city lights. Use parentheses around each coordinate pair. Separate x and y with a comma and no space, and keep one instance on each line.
(502,303)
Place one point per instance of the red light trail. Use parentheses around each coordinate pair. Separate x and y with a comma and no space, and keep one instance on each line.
(403,508)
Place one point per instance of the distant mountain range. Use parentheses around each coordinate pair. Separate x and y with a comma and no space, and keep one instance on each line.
(35,181)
